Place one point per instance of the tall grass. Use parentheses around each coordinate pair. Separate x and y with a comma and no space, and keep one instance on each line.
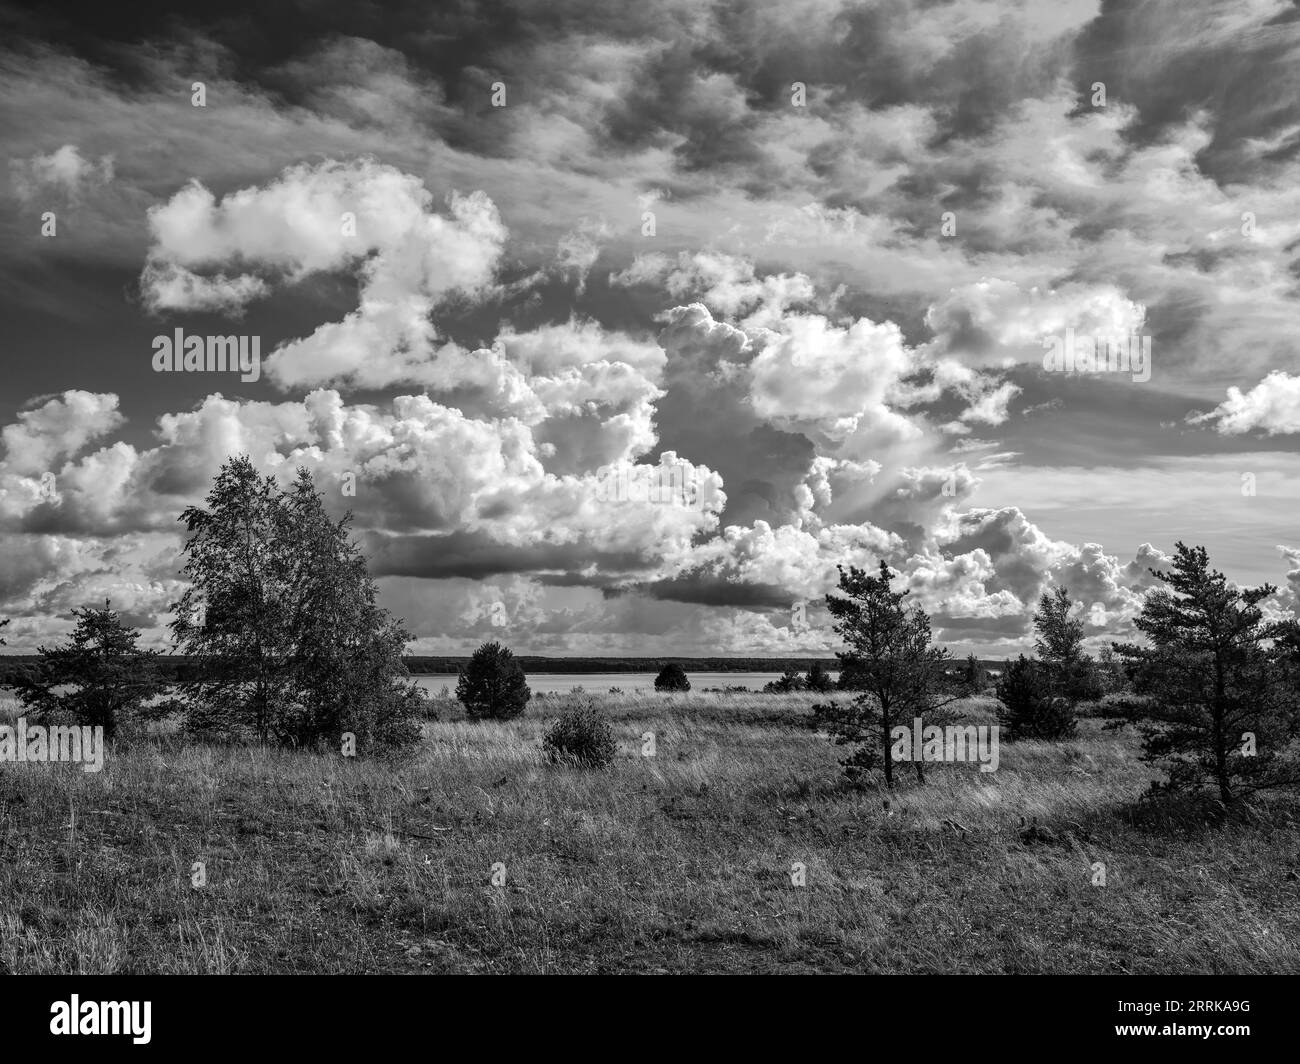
(680,862)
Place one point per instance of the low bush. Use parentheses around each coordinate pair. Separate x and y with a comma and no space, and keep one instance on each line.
(581,735)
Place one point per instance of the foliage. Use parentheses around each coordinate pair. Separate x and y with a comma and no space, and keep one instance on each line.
(894,665)
(1110,672)
(1039,697)
(282,622)
(492,686)
(672,677)
(99,678)
(1070,673)
(1216,688)
(1029,709)
(790,680)
(972,676)
(581,735)
(818,679)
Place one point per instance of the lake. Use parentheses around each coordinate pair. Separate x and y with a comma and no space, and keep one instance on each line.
(600,682)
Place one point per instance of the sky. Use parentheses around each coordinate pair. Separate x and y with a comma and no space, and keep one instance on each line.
(619,327)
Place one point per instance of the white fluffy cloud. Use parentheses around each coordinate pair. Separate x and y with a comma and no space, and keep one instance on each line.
(364,217)
(61,426)
(998,323)
(1272,406)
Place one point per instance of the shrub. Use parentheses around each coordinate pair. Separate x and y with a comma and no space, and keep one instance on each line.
(492,686)
(819,679)
(1029,709)
(790,681)
(672,677)
(581,735)
(972,676)
(857,725)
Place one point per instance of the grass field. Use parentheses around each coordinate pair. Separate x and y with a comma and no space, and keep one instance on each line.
(680,862)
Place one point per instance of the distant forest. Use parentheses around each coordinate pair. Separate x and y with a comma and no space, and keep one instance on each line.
(179,667)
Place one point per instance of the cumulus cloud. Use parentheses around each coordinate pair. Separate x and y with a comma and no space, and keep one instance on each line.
(57,428)
(997,323)
(1272,406)
(362,217)
(727,284)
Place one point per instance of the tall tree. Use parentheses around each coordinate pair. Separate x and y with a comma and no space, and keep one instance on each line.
(1071,674)
(348,674)
(892,662)
(1217,700)
(234,618)
(283,620)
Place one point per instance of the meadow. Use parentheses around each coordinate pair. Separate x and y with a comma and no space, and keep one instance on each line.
(680,862)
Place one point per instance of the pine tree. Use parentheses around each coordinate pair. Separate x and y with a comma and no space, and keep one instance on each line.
(1071,674)
(492,685)
(973,675)
(894,665)
(99,678)
(1029,709)
(790,680)
(1217,700)
(819,679)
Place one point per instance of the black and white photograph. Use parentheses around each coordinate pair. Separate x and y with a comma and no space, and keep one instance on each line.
(651,487)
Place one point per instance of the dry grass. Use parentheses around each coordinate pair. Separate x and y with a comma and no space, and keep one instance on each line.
(679,862)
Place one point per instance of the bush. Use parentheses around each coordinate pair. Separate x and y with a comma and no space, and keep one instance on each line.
(492,686)
(1029,709)
(972,677)
(857,725)
(672,677)
(790,681)
(581,736)
(819,679)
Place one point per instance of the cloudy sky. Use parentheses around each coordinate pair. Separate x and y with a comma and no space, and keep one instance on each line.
(619,326)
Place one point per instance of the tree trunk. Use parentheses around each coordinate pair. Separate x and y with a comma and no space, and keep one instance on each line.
(1220,749)
(884,736)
